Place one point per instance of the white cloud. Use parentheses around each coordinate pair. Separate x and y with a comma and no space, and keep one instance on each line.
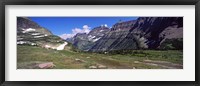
(65,36)
(86,29)
(77,30)
(106,25)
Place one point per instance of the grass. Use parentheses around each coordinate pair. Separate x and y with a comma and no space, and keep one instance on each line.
(28,56)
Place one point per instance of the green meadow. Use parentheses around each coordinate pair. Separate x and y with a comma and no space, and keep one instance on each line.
(29,56)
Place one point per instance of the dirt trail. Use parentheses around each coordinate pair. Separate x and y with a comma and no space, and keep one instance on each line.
(163,64)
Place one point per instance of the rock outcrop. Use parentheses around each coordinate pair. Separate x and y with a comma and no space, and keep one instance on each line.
(85,41)
(113,40)
(143,33)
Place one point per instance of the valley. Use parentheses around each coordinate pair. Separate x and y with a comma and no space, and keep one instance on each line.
(68,59)
(144,43)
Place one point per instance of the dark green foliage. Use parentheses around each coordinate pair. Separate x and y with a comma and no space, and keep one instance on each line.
(172,44)
(123,52)
(75,49)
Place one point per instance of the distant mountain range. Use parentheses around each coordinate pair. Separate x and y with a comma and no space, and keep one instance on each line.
(143,33)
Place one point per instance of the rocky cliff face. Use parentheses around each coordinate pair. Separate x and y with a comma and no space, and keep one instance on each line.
(123,26)
(97,33)
(155,29)
(113,40)
(85,41)
(144,33)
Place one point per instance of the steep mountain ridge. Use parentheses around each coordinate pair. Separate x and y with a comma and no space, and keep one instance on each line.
(85,41)
(30,33)
(25,24)
(151,28)
(144,33)
(112,40)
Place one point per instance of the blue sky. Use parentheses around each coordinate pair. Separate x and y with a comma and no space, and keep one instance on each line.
(67,25)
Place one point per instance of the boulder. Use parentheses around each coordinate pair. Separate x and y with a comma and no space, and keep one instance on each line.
(102,66)
(92,67)
(47,65)
(136,62)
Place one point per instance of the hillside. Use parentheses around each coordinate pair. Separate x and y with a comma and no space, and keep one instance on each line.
(30,33)
(164,33)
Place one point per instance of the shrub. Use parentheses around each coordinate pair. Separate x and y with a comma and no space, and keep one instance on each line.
(172,44)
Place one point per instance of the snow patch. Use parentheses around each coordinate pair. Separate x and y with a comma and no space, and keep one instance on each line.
(21,42)
(93,36)
(33,44)
(47,46)
(101,30)
(38,36)
(28,30)
(90,37)
(62,46)
(34,34)
(96,39)
(45,35)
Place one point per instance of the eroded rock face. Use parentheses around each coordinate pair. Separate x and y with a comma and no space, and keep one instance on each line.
(124,26)
(144,33)
(85,41)
(113,40)
(155,29)
(80,41)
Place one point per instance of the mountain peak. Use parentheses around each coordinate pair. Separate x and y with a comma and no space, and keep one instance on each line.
(24,24)
(126,25)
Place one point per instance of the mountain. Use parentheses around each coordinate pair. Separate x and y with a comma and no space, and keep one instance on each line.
(25,24)
(143,33)
(156,29)
(97,33)
(30,33)
(85,41)
(112,40)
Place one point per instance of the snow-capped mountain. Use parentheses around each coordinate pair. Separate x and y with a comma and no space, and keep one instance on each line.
(85,41)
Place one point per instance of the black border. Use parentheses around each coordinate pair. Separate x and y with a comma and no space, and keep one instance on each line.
(3,3)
